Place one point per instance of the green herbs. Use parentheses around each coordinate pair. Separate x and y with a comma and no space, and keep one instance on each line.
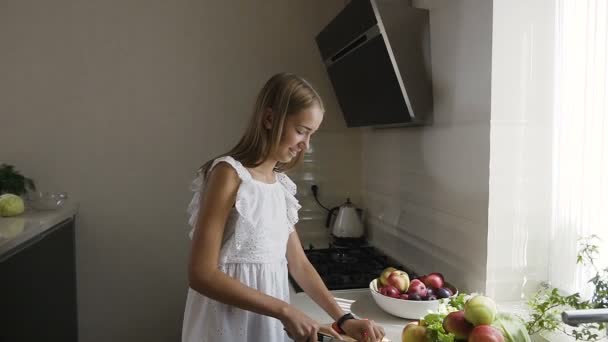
(434,321)
(12,182)
(434,326)
(457,302)
(548,303)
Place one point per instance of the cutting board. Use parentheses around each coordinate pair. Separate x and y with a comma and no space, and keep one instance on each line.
(350,339)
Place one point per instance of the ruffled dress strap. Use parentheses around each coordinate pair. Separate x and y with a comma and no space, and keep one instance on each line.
(242,198)
(293,205)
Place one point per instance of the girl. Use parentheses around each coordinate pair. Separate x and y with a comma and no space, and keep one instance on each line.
(243,240)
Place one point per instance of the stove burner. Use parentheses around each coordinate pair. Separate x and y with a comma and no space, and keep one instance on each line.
(342,257)
(349,267)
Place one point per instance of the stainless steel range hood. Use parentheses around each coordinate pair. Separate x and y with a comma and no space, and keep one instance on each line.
(377,55)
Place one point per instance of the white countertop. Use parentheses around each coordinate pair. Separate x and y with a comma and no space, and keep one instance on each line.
(361,303)
(16,231)
(357,301)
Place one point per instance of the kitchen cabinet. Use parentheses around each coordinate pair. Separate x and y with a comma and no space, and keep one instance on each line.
(38,288)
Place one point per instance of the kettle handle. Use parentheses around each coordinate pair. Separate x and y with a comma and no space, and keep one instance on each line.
(360,213)
(329,214)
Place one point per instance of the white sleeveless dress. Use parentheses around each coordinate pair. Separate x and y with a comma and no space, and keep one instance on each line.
(253,251)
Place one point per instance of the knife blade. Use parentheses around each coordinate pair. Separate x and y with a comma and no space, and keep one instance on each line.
(321,337)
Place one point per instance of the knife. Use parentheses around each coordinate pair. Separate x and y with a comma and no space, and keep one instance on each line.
(321,337)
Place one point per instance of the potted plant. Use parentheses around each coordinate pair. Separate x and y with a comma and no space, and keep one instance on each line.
(13,182)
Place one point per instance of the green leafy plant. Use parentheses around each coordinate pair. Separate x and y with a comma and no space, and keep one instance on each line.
(548,303)
(434,321)
(13,182)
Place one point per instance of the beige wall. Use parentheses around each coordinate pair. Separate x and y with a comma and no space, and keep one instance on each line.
(427,188)
(118,102)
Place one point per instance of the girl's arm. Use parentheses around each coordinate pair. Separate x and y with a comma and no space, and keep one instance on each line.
(309,280)
(207,279)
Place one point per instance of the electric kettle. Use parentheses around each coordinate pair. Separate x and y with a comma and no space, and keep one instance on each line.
(348,222)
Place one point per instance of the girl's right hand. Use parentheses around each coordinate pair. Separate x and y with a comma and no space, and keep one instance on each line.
(299,326)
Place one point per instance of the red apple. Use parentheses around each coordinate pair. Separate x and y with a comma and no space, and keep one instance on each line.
(455,323)
(404,296)
(434,280)
(413,332)
(485,333)
(399,279)
(417,287)
(392,291)
(384,275)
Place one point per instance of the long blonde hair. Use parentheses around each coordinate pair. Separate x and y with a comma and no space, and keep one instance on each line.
(284,94)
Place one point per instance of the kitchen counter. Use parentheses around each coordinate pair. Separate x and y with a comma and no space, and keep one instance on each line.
(357,301)
(16,232)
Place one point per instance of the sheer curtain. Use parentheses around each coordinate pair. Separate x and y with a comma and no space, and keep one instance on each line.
(580,143)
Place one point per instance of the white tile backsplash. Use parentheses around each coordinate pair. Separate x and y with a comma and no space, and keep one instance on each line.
(426,188)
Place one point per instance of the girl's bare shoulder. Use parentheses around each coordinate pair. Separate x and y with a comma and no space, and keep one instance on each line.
(224,175)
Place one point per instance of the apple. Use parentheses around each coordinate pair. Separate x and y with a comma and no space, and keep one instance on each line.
(384,275)
(404,296)
(434,280)
(392,291)
(456,324)
(399,279)
(485,333)
(417,287)
(413,332)
(480,310)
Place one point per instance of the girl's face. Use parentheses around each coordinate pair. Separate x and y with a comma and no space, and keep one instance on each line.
(297,130)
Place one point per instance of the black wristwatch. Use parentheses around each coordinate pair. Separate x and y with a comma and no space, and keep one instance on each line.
(344,318)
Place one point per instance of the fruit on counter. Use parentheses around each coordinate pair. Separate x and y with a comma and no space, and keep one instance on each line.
(414,332)
(399,279)
(443,292)
(452,323)
(456,324)
(485,333)
(433,280)
(480,310)
(11,205)
(384,275)
(417,287)
(390,291)
(414,296)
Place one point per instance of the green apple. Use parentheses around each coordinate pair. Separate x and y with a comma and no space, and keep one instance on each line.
(384,276)
(413,332)
(480,310)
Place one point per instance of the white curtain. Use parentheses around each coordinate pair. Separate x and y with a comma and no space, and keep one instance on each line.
(580,145)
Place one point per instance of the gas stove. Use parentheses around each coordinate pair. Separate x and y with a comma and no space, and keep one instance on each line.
(344,268)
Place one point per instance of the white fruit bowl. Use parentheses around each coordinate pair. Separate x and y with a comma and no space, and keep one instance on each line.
(410,309)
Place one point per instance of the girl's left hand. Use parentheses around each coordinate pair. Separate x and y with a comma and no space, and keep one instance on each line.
(363,330)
